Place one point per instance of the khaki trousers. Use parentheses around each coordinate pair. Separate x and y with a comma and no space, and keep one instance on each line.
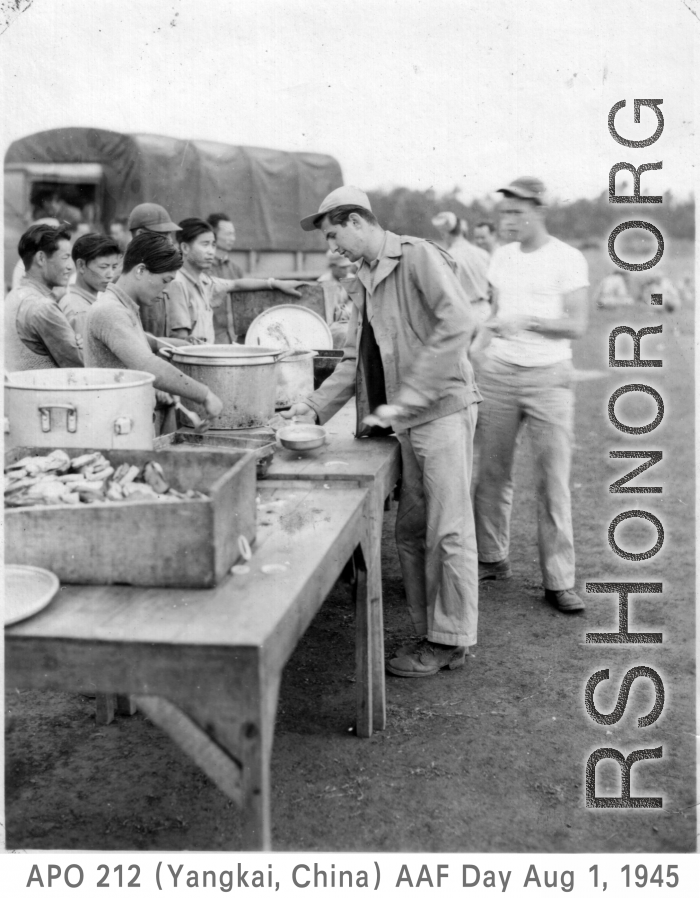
(435,532)
(543,397)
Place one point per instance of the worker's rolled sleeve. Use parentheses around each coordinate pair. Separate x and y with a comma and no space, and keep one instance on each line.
(179,308)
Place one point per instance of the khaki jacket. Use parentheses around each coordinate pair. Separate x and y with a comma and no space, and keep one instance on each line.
(423,324)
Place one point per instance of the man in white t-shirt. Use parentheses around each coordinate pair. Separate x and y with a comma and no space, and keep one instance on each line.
(540,305)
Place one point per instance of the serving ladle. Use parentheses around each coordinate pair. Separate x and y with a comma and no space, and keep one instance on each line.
(198,423)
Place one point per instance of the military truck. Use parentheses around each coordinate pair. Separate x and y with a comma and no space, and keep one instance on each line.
(98,175)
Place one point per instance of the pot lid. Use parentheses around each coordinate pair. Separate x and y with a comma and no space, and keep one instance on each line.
(63,379)
(224,354)
(289,327)
(226,350)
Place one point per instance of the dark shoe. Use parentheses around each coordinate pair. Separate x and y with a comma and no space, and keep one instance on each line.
(565,600)
(495,570)
(415,645)
(427,659)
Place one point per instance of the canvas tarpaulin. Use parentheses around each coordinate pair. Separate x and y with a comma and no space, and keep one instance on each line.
(264,191)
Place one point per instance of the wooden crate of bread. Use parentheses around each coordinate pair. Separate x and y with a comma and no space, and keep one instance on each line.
(189,543)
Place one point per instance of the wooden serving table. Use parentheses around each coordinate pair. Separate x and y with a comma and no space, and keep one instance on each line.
(205,665)
(374,464)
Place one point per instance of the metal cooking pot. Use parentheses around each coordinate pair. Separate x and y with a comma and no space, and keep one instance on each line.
(100,408)
(295,377)
(243,377)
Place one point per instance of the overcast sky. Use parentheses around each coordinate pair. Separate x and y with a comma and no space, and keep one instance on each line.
(422,93)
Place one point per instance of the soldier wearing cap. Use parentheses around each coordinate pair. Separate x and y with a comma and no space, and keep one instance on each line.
(540,304)
(407,342)
(144,218)
(472,263)
(151,217)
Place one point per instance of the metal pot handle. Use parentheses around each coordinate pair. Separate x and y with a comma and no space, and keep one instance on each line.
(287,352)
(123,426)
(166,352)
(71,416)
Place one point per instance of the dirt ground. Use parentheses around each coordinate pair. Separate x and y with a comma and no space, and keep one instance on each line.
(487,758)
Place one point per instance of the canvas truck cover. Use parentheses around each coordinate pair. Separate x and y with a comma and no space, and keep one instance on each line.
(264,191)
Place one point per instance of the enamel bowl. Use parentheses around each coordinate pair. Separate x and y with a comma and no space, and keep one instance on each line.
(301,437)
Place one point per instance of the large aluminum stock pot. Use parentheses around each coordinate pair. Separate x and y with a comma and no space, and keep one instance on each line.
(102,408)
(243,377)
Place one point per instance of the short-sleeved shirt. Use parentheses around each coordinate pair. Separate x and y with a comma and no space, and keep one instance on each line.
(189,305)
(223,267)
(534,284)
(75,305)
(222,303)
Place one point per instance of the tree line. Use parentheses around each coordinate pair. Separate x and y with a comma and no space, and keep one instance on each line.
(582,221)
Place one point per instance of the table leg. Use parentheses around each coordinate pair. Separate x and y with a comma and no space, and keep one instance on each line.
(105,708)
(258,734)
(363,648)
(224,770)
(109,704)
(233,746)
(376,614)
(126,705)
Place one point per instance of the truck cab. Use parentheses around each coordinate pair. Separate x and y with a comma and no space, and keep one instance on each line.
(70,192)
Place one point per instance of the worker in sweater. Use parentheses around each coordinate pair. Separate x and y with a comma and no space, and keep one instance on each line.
(115,337)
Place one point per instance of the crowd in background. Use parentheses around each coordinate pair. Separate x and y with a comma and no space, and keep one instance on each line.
(85,299)
(198,305)
(51,206)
